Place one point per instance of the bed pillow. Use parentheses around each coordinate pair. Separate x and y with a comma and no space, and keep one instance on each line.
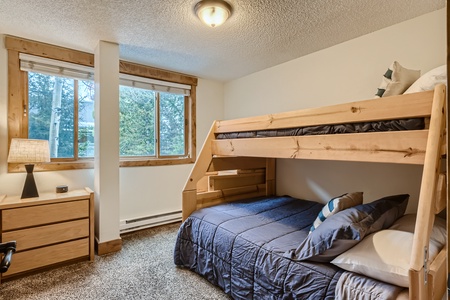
(396,80)
(384,255)
(429,80)
(336,205)
(438,232)
(345,229)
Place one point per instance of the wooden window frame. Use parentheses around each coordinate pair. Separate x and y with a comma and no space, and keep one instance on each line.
(18,102)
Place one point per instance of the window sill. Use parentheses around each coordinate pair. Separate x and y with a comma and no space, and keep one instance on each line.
(89,164)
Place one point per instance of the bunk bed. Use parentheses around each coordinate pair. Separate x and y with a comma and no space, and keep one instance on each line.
(236,170)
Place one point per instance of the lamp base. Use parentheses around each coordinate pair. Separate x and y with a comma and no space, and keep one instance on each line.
(29,188)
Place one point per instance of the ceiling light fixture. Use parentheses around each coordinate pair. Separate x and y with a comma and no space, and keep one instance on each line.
(213,12)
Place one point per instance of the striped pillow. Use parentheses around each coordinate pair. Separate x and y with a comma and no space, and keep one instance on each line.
(396,80)
(335,205)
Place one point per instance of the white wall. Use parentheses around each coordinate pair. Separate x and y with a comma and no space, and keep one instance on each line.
(347,72)
(143,190)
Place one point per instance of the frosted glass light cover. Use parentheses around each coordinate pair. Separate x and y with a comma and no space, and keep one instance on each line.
(213,13)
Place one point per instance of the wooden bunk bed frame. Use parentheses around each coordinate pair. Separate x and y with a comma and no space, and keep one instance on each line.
(234,169)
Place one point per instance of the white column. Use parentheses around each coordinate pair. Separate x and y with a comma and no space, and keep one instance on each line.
(106,162)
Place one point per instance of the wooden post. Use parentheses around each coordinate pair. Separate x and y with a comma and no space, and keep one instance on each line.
(189,204)
(270,176)
(425,216)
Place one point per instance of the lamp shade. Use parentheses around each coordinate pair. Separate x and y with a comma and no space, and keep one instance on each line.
(213,12)
(28,151)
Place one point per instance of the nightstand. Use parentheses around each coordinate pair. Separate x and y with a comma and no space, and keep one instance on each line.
(50,230)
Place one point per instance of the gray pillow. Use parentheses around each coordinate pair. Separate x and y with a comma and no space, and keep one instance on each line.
(345,229)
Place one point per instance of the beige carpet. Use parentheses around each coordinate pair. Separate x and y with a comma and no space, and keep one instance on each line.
(143,269)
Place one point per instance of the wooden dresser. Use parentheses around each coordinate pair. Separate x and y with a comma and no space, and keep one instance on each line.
(50,230)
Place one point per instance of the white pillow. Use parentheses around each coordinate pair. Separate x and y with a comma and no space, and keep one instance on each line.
(429,80)
(396,80)
(383,255)
(335,205)
(438,233)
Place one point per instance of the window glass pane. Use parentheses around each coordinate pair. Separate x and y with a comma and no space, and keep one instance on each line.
(86,97)
(171,124)
(51,112)
(137,121)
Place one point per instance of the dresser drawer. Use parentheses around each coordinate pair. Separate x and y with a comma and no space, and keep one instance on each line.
(47,234)
(46,256)
(23,217)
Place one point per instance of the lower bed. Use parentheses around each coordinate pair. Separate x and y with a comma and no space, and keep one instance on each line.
(241,246)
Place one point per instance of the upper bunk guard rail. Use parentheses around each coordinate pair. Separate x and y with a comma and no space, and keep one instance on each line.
(413,105)
(405,147)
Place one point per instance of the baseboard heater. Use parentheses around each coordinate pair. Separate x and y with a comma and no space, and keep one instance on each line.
(149,221)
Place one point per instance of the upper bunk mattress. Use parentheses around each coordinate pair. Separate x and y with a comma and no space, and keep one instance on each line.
(378,126)
(239,246)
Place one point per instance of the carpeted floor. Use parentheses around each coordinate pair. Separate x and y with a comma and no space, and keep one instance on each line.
(143,269)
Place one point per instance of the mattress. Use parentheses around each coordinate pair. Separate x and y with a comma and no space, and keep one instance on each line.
(379,126)
(239,247)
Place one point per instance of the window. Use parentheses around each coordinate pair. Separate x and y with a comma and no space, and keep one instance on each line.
(153,118)
(53,98)
(61,110)
(152,123)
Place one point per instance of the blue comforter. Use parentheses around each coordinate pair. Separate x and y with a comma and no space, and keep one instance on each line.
(239,246)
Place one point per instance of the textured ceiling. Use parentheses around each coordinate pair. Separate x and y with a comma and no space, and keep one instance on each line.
(167,34)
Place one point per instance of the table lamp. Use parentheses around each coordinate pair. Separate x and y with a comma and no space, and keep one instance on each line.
(29,151)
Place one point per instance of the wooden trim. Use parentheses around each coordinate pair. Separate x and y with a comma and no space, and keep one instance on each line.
(130,68)
(156,162)
(187,133)
(49,51)
(53,166)
(193,123)
(75,119)
(108,247)
(81,164)
(16,97)
(157,125)
(395,107)
(87,59)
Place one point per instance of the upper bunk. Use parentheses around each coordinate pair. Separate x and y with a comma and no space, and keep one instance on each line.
(391,146)
(249,163)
